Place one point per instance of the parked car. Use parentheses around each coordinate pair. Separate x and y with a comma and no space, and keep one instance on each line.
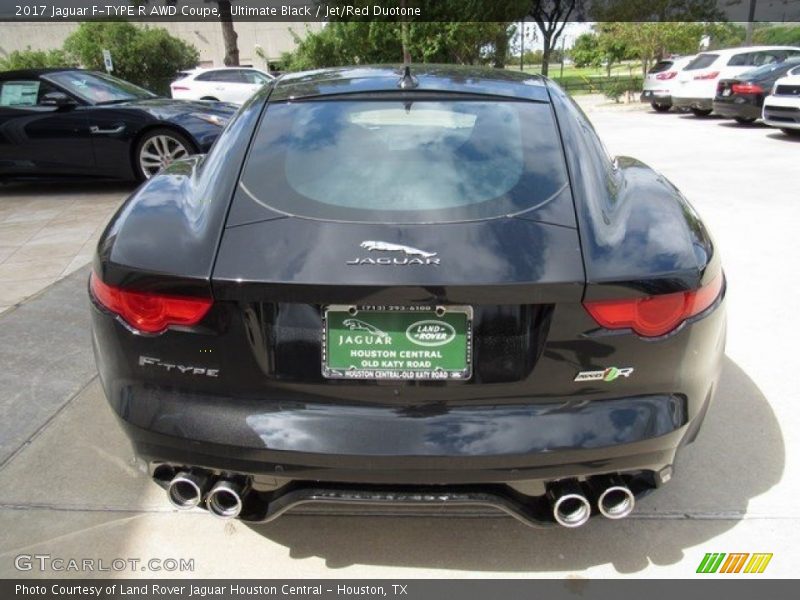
(697,82)
(227,84)
(660,80)
(742,97)
(414,287)
(782,107)
(57,122)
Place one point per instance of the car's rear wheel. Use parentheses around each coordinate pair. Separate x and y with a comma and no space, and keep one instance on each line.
(791,132)
(660,107)
(157,149)
(210,98)
(744,120)
(701,112)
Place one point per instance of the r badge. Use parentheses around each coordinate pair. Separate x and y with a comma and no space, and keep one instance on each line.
(609,374)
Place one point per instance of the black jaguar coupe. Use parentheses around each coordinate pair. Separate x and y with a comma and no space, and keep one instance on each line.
(411,288)
(71,122)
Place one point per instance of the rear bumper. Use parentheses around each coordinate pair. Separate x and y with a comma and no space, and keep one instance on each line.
(733,108)
(381,445)
(696,103)
(656,96)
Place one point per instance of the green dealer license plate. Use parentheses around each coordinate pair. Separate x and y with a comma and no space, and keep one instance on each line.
(396,342)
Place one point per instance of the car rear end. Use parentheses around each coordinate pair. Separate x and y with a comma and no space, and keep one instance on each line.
(396,316)
(782,107)
(660,80)
(739,99)
(697,83)
(182,87)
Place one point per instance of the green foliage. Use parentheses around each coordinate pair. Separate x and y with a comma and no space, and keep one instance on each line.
(146,56)
(362,42)
(34,59)
(724,35)
(781,35)
(586,52)
(614,89)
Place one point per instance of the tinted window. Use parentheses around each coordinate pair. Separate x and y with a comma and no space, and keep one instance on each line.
(660,66)
(394,161)
(228,76)
(770,71)
(254,77)
(701,61)
(740,60)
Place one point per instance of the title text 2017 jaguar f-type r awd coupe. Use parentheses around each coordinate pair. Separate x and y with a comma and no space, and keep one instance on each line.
(409,287)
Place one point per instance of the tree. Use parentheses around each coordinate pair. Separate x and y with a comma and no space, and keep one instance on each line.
(35,59)
(651,41)
(229,36)
(146,56)
(551,16)
(586,51)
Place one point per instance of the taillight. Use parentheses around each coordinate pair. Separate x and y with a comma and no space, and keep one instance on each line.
(148,312)
(710,75)
(747,88)
(654,316)
(667,75)
(179,88)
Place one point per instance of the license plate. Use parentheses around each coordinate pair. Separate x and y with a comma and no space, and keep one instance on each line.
(397,342)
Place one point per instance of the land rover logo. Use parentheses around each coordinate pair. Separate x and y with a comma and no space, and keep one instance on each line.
(430,333)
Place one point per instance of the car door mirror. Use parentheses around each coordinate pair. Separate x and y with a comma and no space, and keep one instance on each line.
(59,99)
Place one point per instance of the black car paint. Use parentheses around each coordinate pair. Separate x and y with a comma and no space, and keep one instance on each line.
(270,414)
(57,140)
(748,106)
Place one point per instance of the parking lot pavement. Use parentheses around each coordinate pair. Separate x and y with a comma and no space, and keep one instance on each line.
(70,487)
(47,230)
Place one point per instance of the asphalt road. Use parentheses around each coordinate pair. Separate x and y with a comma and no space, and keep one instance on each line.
(68,487)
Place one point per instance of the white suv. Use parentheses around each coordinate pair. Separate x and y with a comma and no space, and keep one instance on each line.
(782,107)
(226,84)
(660,81)
(697,82)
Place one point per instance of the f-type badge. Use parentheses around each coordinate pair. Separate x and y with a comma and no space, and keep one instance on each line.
(411,256)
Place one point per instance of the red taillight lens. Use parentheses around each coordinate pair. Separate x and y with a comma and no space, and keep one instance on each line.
(147,312)
(179,88)
(667,75)
(747,88)
(710,75)
(654,316)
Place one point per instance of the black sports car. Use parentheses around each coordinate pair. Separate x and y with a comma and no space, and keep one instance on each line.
(411,288)
(743,97)
(69,122)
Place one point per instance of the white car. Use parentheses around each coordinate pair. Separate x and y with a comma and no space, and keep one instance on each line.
(697,82)
(226,84)
(782,107)
(658,84)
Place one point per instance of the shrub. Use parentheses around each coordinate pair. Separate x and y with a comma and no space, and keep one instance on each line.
(34,59)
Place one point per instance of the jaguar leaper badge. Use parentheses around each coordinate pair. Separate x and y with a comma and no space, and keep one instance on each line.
(411,255)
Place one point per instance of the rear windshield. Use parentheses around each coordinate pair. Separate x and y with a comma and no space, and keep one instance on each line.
(660,66)
(401,161)
(702,61)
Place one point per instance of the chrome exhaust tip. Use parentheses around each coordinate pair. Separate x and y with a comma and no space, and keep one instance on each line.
(571,507)
(225,499)
(185,490)
(616,501)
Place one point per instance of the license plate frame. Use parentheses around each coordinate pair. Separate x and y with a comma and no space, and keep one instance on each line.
(404,324)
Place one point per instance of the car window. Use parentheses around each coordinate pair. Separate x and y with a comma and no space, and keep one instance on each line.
(226,76)
(765,58)
(254,77)
(660,66)
(400,161)
(24,92)
(98,88)
(701,61)
(771,70)
(740,60)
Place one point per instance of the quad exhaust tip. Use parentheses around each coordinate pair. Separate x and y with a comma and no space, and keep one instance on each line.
(185,490)
(571,507)
(225,499)
(616,501)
